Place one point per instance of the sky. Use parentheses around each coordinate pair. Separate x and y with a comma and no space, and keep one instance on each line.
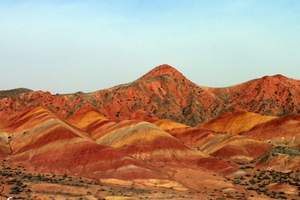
(84,45)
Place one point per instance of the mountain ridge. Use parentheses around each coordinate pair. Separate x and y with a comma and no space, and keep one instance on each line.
(130,136)
(165,93)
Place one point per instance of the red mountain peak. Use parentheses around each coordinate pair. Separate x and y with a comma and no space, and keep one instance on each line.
(162,70)
(276,77)
(280,76)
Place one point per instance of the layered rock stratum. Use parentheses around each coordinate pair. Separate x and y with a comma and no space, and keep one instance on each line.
(158,137)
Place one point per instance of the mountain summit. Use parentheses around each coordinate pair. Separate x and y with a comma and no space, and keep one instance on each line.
(163,70)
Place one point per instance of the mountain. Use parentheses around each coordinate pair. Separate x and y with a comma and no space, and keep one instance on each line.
(158,137)
(37,139)
(41,142)
(269,95)
(165,93)
(162,93)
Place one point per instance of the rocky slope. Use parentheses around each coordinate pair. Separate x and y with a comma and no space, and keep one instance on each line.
(147,139)
(165,93)
(269,95)
(131,154)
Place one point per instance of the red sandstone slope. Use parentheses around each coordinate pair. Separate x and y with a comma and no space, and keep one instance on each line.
(240,149)
(37,138)
(284,130)
(40,141)
(235,122)
(90,120)
(164,93)
(271,95)
(102,134)
(143,141)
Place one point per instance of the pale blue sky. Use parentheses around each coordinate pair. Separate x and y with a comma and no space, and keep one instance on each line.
(72,45)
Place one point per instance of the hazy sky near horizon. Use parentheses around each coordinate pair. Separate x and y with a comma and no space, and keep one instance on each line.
(85,45)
